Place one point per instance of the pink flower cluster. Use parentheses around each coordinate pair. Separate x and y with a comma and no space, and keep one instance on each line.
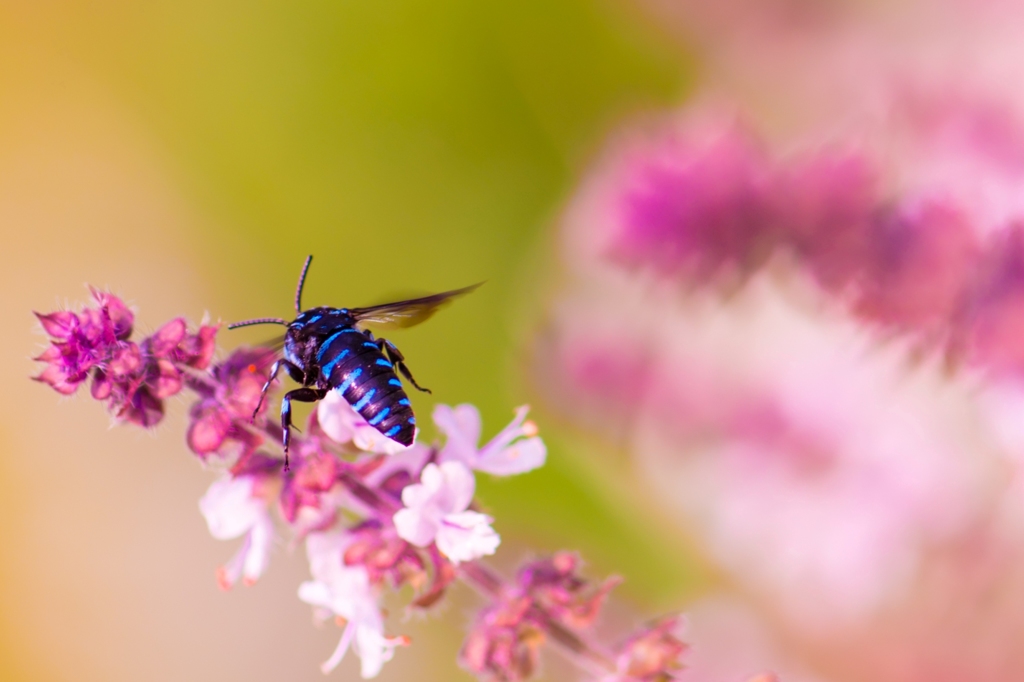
(705,205)
(814,361)
(506,641)
(133,378)
(373,516)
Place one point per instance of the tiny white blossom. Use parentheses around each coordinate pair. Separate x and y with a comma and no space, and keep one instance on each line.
(233,508)
(345,592)
(344,425)
(436,510)
(515,450)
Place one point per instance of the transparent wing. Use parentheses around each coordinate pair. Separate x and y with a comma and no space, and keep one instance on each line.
(406,313)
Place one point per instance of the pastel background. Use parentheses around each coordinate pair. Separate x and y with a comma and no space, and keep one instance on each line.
(758,267)
(188,156)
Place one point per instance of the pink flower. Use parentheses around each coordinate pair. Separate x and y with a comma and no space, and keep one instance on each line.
(134,379)
(504,642)
(653,654)
(311,493)
(377,548)
(814,468)
(234,507)
(437,510)
(515,450)
(346,592)
(219,418)
(83,341)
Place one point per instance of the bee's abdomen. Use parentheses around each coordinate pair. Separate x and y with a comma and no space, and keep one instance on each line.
(385,406)
(353,365)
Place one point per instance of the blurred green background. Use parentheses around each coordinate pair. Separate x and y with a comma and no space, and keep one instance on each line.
(188,155)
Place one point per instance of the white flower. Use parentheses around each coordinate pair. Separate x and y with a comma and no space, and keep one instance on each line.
(232,508)
(504,455)
(345,591)
(436,511)
(345,425)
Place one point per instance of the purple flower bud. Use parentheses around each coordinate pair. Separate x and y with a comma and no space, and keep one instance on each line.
(556,585)
(653,654)
(166,339)
(504,644)
(133,379)
(314,474)
(59,325)
(115,315)
(209,425)
(196,350)
(377,548)
(218,419)
(138,407)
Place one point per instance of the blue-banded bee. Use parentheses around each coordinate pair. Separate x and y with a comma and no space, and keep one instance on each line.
(329,349)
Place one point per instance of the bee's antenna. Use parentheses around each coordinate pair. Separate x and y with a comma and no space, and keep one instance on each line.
(258,320)
(302,282)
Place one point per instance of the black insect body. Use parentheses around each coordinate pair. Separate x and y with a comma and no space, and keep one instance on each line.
(327,349)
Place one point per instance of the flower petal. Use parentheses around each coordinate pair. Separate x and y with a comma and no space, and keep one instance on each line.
(315,593)
(261,539)
(373,648)
(467,536)
(462,427)
(229,507)
(414,526)
(520,457)
(458,488)
(337,418)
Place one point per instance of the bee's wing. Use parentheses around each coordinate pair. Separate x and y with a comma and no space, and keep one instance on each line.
(276,343)
(406,313)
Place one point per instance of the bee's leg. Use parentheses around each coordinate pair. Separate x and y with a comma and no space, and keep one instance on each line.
(398,360)
(274,369)
(303,395)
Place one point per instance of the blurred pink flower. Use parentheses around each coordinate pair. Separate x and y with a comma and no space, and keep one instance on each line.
(234,507)
(437,510)
(505,640)
(816,469)
(654,654)
(557,584)
(345,592)
(503,644)
(803,321)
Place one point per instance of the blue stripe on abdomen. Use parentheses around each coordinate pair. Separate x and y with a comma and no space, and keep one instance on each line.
(364,401)
(349,380)
(327,344)
(326,369)
(380,417)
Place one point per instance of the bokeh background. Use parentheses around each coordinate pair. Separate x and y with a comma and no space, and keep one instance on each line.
(188,156)
(758,267)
